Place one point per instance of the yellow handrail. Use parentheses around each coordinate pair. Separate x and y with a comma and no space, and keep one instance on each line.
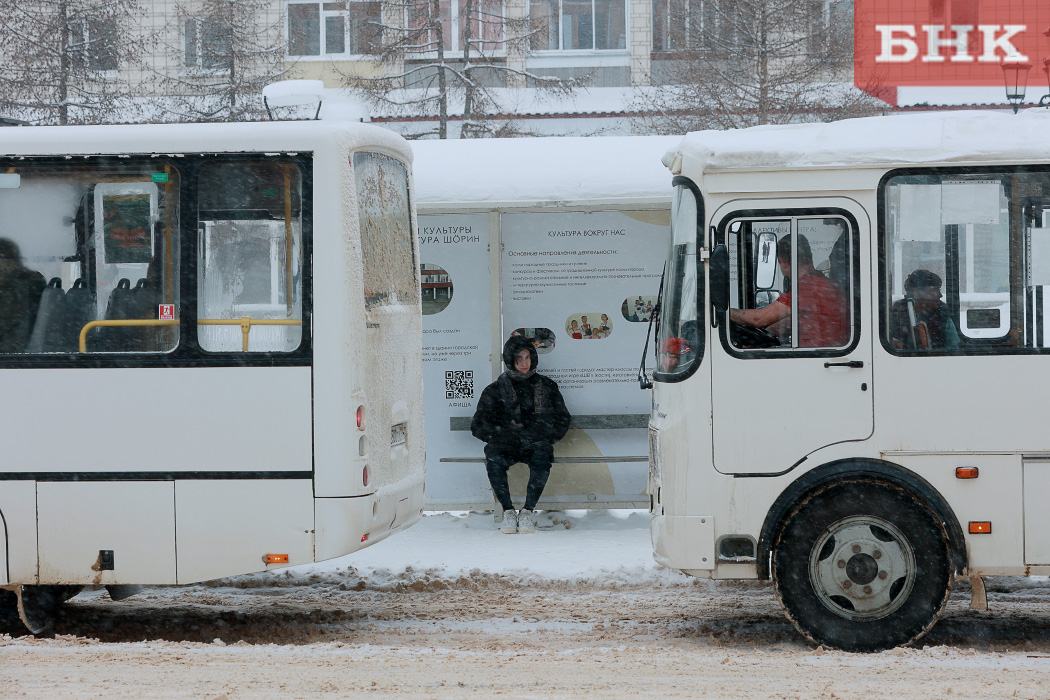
(246,324)
(120,322)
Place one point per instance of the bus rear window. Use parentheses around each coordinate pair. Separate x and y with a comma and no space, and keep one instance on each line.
(386,231)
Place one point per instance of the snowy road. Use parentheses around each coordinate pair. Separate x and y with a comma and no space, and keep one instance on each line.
(563,625)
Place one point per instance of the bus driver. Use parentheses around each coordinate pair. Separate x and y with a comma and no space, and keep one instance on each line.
(823,311)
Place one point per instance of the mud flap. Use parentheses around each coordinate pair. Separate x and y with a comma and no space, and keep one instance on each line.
(120,592)
(34,609)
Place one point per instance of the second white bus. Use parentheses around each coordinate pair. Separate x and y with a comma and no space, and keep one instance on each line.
(863,470)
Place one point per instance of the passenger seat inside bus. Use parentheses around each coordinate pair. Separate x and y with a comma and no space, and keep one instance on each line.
(120,307)
(50,319)
(80,311)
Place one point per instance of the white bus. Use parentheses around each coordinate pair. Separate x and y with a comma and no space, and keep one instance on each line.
(863,469)
(209,352)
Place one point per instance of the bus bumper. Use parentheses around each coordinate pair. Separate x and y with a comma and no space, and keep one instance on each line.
(684,541)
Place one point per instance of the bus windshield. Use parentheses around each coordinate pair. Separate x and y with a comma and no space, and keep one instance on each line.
(678,338)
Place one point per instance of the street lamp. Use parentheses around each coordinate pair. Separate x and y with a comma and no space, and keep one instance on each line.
(1016,77)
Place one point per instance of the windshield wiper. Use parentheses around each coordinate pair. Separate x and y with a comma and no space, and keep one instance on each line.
(643,377)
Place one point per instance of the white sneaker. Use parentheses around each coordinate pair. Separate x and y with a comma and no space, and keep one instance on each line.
(510,522)
(526,521)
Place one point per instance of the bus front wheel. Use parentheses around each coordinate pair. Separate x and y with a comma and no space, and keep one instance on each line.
(862,566)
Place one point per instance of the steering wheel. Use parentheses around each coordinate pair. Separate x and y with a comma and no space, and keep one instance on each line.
(750,337)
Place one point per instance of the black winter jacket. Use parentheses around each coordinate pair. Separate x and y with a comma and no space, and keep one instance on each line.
(520,415)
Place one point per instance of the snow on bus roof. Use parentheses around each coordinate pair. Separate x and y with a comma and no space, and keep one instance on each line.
(902,139)
(236,137)
(516,172)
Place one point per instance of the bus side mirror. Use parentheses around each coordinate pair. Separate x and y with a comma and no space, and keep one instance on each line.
(718,273)
(766,261)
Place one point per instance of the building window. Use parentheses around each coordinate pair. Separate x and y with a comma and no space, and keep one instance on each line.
(710,25)
(93,44)
(569,25)
(831,28)
(333,28)
(485,25)
(207,44)
(724,25)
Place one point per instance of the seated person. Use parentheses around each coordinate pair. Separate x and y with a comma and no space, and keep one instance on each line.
(20,290)
(923,287)
(823,310)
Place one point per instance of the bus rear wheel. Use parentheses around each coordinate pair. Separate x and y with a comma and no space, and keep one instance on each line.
(862,566)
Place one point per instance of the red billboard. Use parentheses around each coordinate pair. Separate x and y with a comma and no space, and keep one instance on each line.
(947,42)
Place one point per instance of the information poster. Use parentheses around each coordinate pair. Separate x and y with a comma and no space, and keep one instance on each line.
(584,286)
(589,282)
(457,335)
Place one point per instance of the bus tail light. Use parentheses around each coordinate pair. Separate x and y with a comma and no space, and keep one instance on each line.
(365,476)
(360,417)
(966,472)
(982,527)
(364,537)
(276,558)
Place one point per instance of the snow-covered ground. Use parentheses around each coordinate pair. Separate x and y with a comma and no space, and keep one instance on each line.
(600,547)
(452,608)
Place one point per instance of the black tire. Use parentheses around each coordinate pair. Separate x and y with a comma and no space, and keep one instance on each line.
(862,566)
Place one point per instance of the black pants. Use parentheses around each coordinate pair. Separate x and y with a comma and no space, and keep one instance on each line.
(497,462)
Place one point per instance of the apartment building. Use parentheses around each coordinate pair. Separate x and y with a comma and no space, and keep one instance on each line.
(210,58)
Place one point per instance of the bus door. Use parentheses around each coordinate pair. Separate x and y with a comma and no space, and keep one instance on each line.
(800,378)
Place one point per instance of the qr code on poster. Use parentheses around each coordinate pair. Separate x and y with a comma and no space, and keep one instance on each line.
(459,385)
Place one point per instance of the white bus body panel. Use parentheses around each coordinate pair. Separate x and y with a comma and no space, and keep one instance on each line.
(134,520)
(178,419)
(18,514)
(1036,513)
(255,518)
(684,541)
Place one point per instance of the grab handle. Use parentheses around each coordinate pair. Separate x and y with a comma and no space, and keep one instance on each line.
(855,364)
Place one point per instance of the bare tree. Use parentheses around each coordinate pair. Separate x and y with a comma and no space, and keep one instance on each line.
(738,63)
(68,61)
(227,50)
(421,74)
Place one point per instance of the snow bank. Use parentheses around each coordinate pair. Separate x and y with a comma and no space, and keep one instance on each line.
(605,549)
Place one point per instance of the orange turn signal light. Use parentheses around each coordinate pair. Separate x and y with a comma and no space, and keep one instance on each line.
(980,527)
(276,558)
(966,472)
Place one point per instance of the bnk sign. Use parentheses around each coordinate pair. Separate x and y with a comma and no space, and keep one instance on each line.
(945,42)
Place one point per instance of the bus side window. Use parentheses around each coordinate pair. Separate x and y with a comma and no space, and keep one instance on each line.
(965,261)
(250,258)
(85,227)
